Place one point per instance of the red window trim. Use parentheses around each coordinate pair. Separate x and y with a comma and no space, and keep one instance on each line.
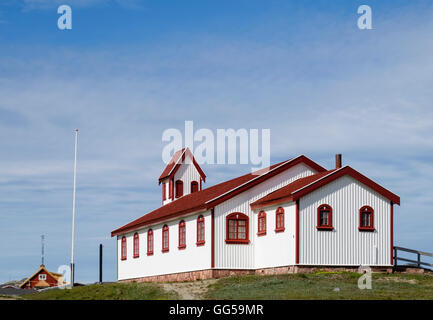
(136,246)
(279,211)
(360,227)
(261,215)
(170,189)
(200,221)
(165,229)
(194,185)
(329,226)
(182,229)
(150,235)
(164,192)
(123,248)
(238,216)
(179,189)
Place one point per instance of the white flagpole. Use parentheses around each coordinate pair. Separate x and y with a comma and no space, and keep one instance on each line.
(73,208)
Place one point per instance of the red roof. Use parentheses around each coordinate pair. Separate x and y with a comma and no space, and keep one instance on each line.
(176,161)
(303,186)
(209,197)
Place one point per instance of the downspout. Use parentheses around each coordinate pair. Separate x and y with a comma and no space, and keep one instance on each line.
(212,259)
(297,232)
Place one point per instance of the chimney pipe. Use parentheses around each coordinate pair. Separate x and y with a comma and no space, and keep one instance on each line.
(338,161)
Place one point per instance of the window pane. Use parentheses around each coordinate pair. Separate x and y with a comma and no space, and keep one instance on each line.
(365,219)
(324,218)
(232,226)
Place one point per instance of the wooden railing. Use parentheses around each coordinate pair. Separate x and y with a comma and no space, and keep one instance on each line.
(418,263)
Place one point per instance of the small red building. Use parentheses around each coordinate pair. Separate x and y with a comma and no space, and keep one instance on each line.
(42,278)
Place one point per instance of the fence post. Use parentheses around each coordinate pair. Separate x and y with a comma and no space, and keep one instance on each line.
(395,257)
(419,260)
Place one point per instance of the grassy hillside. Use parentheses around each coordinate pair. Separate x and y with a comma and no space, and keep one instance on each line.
(323,285)
(319,285)
(109,291)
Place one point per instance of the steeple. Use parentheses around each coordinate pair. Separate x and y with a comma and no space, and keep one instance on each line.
(181,176)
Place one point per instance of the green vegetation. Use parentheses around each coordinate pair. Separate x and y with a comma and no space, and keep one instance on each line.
(323,285)
(319,285)
(109,291)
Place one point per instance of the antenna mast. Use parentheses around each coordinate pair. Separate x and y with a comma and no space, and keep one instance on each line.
(42,244)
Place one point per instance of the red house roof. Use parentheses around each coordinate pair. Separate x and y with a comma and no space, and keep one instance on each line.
(304,186)
(51,280)
(209,197)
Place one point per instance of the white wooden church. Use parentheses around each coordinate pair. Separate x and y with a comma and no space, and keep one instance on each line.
(294,216)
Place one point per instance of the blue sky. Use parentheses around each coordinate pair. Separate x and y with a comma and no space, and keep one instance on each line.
(128,70)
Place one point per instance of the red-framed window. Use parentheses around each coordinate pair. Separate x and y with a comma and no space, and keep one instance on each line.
(261,223)
(164,192)
(182,235)
(123,248)
(194,186)
(200,231)
(279,220)
(324,217)
(237,228)
(136,250)
(179,188)
(366,219)
(150,242)
(165,238)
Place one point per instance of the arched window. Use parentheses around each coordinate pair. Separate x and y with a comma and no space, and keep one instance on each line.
(324,217)
(182,235)
(200,231)
(150,242)
(123,248)
(261,223)
(179,188)
(279,220)
(194,186)
(165,238)
(366,219)
(136,245)
(237,228)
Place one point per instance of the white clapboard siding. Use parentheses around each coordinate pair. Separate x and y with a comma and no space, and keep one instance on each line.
(345,245)
(191,258)
(276,249)
(241,256)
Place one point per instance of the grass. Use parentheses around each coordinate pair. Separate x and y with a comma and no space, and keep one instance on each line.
(322,285)
(108,291)
(319,285)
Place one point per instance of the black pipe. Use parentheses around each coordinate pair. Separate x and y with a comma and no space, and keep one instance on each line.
(100,263)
